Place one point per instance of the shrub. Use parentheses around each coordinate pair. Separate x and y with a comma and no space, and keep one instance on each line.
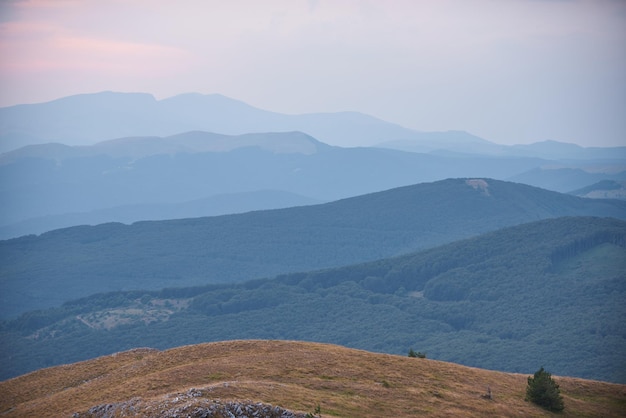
(544,391)
(419,354)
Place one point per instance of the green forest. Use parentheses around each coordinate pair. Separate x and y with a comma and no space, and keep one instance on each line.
(38,272)
(547,293)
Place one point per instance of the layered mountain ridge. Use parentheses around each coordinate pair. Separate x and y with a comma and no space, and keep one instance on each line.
(96,158)
(60,265)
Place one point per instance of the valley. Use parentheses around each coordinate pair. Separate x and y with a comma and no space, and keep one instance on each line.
(274,229)
(307,209)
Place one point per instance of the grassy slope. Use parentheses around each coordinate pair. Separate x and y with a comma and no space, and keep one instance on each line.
(297,376)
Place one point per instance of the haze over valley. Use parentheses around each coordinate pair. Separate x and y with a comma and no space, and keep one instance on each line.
(312,208)
(241,217)
(395,197)
(51,185)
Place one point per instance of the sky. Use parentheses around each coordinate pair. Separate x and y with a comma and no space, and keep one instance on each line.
(510,71)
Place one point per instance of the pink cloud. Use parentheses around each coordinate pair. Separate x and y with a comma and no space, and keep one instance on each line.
(38,47)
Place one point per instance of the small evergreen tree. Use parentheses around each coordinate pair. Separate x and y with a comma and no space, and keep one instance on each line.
(544,391)
(419,354)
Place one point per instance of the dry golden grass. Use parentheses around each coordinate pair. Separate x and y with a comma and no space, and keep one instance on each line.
(297,376)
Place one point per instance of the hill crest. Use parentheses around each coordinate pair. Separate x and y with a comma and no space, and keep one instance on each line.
(295,375)
(187,142)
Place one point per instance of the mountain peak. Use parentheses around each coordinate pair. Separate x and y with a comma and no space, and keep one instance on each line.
(89,118)
(107,97)
(200,96)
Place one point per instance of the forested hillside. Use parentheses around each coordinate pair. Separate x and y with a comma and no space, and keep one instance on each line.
(545,293)
(44,271)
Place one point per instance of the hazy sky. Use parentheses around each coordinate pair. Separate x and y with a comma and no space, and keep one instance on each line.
(511,71)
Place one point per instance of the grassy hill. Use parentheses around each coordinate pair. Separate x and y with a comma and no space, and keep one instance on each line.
(546,293)
(44,271)
(298,376)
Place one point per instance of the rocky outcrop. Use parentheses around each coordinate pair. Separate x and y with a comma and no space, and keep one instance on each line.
(191,404)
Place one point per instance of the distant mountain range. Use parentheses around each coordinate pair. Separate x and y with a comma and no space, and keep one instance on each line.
(547,293)
(89,118)
(568,180)
(100,157)
(215,205)
(52,185)
(605,189)
(186,143)
(49,186)
(461,143)
(55,185)
(45,271)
